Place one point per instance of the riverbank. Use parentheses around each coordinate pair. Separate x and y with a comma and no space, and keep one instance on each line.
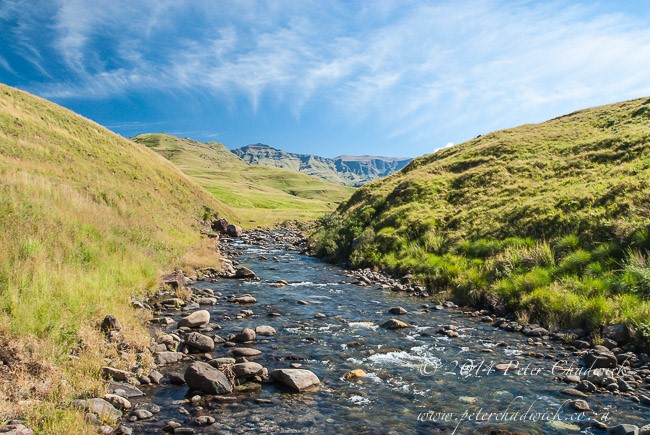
(298,313)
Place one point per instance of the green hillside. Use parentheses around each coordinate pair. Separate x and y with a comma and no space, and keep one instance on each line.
(261,195)
(88,221)
(551,221)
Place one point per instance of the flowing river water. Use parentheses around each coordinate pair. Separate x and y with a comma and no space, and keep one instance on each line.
(417,381)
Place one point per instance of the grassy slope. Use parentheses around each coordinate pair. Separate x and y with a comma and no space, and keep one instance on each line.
(88,220)
(551,220)
(261,195)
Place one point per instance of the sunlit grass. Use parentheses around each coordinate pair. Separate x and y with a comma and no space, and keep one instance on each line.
(89,221)
(549,221)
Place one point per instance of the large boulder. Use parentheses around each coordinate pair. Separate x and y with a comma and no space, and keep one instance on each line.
(296,380)
(600,358)
(234,230)
(196,319)
(220,225)
(199,342)
(203,377)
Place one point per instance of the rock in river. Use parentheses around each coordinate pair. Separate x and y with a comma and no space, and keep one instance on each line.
(196,319)
(245,351)
(265,330)
(246,334)
(600,358)
(395,324)
(244,299)
(244,273)
(199,342)
(297,380)
(397,310)
(203,377)
(234,230)
(246,369)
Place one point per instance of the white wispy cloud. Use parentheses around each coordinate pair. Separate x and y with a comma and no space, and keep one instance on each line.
(408,67)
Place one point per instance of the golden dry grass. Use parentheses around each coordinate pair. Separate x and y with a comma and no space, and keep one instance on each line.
(89,220)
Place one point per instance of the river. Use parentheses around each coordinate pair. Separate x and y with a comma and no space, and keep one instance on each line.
(418,381)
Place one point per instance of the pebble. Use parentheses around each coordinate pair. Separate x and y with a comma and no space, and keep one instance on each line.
(204,420)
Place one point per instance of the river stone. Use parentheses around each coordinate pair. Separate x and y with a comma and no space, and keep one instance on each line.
(142,414)
(397,310)
(320,316)
(203,377)
(645,430)
(149,406)
(221,362)
(100,407)
(176,378)
(204,420)
(208,301)
(619,333)
(234,230)
(244,273)
(245,335)
(564,426)
(537,332)
(123,430)
(353,374)
(600,357)
(110,323)
(220,225)
(580,405)
(301,302)
(265,330)
(16,429)
(124,390)
(155,376)
(116,374)
(246,369)
(200,342)
(297,380)
(624,429)
(167,357)
(245,351)
(119,402)
(573,392)
(196,319)
(245,299)
(395,324)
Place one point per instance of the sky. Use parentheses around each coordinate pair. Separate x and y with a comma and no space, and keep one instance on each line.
(383,77)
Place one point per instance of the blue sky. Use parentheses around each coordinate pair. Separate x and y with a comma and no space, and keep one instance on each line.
(383,77)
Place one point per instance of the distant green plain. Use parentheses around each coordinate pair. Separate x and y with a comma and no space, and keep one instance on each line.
(259,195)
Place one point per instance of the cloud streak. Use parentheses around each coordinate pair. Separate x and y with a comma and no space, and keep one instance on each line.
(415,69)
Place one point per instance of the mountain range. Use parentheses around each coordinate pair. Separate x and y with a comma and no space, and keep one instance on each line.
(346,170)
